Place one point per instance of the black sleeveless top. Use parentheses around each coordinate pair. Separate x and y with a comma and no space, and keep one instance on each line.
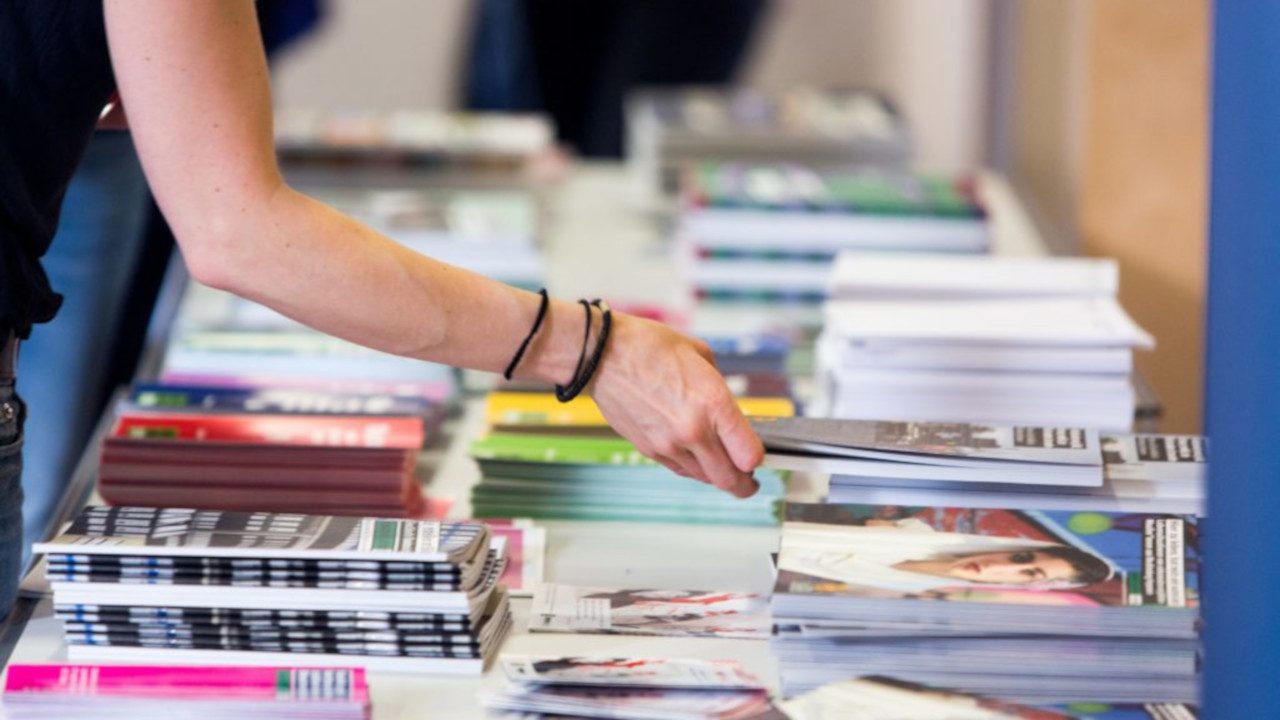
(55,78)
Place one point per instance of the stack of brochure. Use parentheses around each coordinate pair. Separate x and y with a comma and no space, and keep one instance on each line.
(490,232)
(883,698)
(629,687)
(917,454)
(993,340)
(771,232)
(210,587)
(420,138)
(1141,473)
(1036,606)
(670,129)
(336,464)
(549,460)
(137,692)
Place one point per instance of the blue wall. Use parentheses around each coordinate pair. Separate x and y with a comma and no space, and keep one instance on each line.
(1242,574)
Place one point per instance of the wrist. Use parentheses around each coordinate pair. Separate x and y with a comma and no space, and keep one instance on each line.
(553,354)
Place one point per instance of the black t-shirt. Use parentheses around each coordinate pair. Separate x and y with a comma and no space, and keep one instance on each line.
(55,78)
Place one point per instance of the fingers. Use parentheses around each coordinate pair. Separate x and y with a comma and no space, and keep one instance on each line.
(737,436)
(720,471)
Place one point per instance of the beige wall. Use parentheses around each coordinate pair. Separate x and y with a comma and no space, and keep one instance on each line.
(929,55)
(377,54)
(1143,196)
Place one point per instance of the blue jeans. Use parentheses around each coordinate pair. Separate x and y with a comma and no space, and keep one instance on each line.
(11,413)
(64,363)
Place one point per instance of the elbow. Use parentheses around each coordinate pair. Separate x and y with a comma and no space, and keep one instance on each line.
(213,262)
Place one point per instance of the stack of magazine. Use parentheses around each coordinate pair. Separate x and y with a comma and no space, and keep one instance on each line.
(966,339)
(670,129)
(884,698)
(418,138)
(210,587)
(970,465)
(770,232)
(631,687)
(317,463)
(141,692)
(549,460)
(1036,606)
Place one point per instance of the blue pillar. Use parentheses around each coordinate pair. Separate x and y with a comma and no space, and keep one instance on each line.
(1242,574)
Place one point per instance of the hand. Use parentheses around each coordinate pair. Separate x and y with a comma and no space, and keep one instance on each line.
(661,391)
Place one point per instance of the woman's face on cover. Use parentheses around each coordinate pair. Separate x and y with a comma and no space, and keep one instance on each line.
(1023,567)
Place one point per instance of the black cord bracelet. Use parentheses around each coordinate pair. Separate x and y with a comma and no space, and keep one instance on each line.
(524,346)
(586,337)
(583,378)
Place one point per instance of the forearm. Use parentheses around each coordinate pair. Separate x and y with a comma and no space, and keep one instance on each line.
(332,273)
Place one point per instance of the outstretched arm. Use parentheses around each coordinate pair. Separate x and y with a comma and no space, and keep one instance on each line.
(193,77)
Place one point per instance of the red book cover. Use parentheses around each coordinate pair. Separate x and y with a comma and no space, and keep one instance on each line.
(308,430)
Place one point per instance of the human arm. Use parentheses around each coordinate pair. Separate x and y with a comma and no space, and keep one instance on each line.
(193,77)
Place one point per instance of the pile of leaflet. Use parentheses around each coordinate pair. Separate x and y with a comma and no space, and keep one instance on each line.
(208,587)
(989,340)
(1035,606)
(202,447)
(492,232)
(549,460)
(769,233)
(912,463)
(670,129)
(628,687)
(133,692)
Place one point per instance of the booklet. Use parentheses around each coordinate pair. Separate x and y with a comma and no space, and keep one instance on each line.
(187,532)
(954,444)
(677,613)
(630,671)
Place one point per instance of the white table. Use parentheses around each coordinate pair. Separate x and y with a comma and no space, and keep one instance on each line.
(598,244)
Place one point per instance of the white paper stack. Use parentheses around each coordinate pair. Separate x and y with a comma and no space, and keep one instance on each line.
(987,340)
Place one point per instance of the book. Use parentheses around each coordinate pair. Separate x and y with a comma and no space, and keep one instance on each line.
(275,401)
(132,692)
(503,409)
(891,276)
(627,611)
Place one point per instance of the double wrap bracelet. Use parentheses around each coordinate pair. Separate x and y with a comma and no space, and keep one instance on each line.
(586,367)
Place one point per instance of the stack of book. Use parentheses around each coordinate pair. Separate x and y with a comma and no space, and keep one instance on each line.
(296,358)
(210,587)
(142,692)
(671,129)
(1005,341)
(549,460)
(492,232)
(418,138)
(335,464)
(629,687)
(1036,606)
(771,232)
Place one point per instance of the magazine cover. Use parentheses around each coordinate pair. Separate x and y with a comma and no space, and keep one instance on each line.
(678,613)
(991,555)
(1145,711)
(525,550)
(630,671)
(1072,446)
(1155,457)
(187,684)
(181,531)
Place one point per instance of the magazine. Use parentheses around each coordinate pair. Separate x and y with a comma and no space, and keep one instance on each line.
(627,611)
(1020,557)
(1156,458)
(880,698)
(634,703)
(630,672)
(279,401)
(187,532)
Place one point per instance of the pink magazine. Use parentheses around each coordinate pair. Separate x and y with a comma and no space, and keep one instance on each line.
(526,545)
(187,684)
